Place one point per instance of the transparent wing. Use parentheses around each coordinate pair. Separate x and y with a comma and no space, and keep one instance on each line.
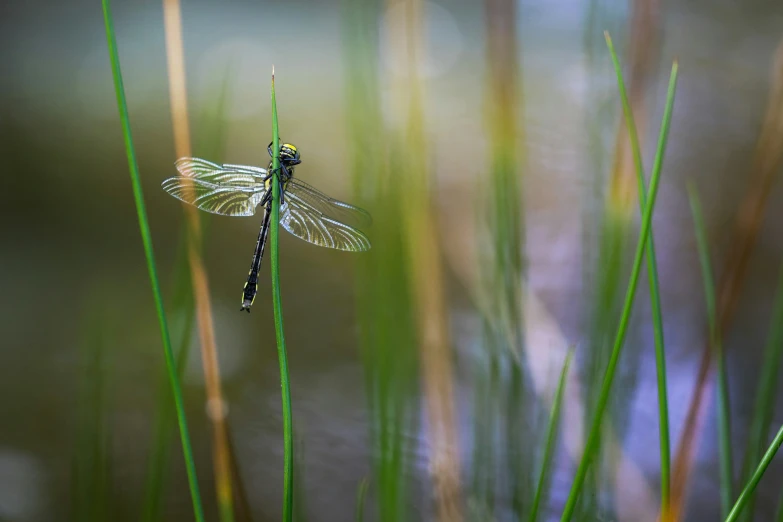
(229,190)
(319,202)
(319,229)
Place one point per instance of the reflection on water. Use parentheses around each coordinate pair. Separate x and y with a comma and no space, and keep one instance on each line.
(71,232)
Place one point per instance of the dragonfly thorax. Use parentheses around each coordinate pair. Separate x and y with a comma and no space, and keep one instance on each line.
(289,157)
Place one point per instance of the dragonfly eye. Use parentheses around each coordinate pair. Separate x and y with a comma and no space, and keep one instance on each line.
(288,151)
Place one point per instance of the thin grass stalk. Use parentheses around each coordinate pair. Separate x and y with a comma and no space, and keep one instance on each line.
(750,487)
(603,398)
(605,311)
(652,276)
(215,402)
(765,171)
(765,396)
(614,260)
(288,441)
(724,416)
(551,438)
(146,238)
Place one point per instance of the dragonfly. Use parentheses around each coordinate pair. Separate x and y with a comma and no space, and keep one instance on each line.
(238,190)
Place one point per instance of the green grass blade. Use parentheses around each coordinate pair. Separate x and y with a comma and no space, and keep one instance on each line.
(652,276)
(724,413)
(622,328)
(765,397)
(288,474)
(551,437)
(750,487)
(146,238)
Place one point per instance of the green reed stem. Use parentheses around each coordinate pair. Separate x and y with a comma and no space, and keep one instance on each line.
(724,412)
(603,398)
(652,277)
(551,437)
(765,396)
(754,480)
(146,238)
(288,441)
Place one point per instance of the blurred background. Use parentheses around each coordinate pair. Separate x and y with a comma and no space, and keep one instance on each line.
(485,138)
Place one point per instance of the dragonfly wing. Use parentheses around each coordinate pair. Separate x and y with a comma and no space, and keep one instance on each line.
(228,190)
(208,171)
(321,230)
(323,204)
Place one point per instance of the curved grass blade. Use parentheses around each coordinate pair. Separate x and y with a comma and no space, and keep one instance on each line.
(146,238)
(765,397)
(754,480)
(551,437)
(724,416)
(288,443)
(652,277)
(603,398)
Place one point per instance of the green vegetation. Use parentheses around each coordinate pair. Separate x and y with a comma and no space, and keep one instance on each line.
(514,435)
(652,277)
(146,236)
(595,426)
(274,258)
(724,414)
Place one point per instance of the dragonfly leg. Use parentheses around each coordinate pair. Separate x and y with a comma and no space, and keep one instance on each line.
(267,198)
(287,177)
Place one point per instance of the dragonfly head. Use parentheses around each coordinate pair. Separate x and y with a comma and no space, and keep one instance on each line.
(288,153)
